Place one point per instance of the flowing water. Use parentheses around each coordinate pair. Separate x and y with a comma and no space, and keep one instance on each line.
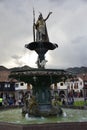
(69,115)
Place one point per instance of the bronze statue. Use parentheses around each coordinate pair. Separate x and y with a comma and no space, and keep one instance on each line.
(41,43)
(41,29)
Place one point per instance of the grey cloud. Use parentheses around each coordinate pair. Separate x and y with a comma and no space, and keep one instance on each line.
(17,60)
(58,1)
(84,0)
(80,40)
(16,57)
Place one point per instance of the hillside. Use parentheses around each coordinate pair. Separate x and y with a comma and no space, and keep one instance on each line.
(73,70)
(20,68)
(3,68)
(77,70)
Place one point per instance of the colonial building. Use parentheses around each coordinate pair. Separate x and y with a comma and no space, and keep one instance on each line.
(59,89)
(7,86)
(20,89)
(73,87)
(11,89)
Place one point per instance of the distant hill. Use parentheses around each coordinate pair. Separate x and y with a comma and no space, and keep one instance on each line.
(15,68)
(73,70)
(21,68)
(3,68)
(77,70)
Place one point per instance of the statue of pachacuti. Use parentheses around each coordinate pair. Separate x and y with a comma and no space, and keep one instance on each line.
(41,43)
(41,29)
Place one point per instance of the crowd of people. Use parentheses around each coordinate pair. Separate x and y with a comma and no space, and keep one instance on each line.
(11,100)
(8,100)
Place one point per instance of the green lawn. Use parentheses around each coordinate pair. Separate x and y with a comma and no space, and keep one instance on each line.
(79,103)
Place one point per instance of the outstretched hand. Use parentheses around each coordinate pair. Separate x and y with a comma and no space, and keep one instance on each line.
(50,13)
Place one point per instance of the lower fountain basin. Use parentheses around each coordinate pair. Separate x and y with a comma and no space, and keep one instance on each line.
(71,119)
(69,115)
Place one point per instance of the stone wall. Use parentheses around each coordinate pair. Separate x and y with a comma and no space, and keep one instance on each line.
(54,126)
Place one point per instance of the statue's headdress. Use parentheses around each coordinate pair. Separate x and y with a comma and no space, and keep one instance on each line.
(40,15)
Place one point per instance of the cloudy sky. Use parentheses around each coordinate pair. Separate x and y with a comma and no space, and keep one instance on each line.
(67,26)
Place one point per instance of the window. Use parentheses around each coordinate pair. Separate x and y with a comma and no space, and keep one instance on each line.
(61,84)
(76,86)
(85,83)
(6,85)
(80,83)
(71,86)
(16,85)
(22,84)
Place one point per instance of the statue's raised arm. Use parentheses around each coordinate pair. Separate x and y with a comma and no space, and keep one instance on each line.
(48,16)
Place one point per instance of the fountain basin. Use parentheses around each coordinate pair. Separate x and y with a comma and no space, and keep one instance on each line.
(73,119)
(69,115)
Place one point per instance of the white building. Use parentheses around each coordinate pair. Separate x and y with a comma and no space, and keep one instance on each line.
(60,89)
(20,89)
(74,86)
(20,86)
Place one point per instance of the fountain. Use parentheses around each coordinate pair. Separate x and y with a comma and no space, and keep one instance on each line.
(41,78)
(39,107)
